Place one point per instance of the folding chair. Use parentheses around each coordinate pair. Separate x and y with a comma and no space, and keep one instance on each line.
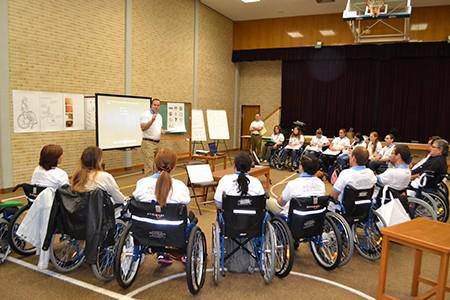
(200,176)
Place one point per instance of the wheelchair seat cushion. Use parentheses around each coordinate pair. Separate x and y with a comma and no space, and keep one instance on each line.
(159,227)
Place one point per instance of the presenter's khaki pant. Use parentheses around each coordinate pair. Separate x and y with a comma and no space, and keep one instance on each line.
(256,143)
(149,150)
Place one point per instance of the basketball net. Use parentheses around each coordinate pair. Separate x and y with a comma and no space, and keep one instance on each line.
(375,6)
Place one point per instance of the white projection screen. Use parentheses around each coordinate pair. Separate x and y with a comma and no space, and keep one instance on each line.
(118,120)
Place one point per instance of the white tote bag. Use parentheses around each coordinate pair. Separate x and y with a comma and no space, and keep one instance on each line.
(392,212)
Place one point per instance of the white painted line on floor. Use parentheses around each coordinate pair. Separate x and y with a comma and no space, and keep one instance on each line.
(336,284)
(73,281)
(14,198)
(278,183)
(129,174)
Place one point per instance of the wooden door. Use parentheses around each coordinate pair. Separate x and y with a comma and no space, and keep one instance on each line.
(248,113)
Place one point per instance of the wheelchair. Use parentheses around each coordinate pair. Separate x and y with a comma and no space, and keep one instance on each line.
(281,159)
(7,212)
(68,243)
(245,222)
(17,244)
(415,207)
(155,229)
(307,222)
(357,212)
(434,196)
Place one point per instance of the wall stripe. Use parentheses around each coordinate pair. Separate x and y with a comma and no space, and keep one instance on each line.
(195,65)
(128,46)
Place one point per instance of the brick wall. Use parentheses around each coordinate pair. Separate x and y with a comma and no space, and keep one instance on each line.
(64,46)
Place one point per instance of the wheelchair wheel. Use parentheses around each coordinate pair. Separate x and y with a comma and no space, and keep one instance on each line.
(368,236)
(66,253)
(197,260)
(127,260)
(267,255)
(104,267)
(440,203)
(443,188)
(17,244)
(346,235)
(418,208)
(284,255)
(216,252)
(327,249)
(5,249)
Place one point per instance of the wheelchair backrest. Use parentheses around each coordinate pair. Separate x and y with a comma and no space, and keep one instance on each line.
(159,227)
(390,193)
(306,216)
(31,191)
(243,215)
(357,203)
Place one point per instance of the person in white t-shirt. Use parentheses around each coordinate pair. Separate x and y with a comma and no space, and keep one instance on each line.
(380,161)
(276,141)
(336,147)
(374,146)
(239,183)
(358,176)
(47,173)
(151,124)
(397,177)
(255,130)
(306,185)
(317,143)
(164,189)
(293,148)
(91,176)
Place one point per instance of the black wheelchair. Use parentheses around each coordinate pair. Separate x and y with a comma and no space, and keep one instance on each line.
(357,212)
(7,211)
(155,229)
(79,231)
(244,222)
(17,244)
(307,221)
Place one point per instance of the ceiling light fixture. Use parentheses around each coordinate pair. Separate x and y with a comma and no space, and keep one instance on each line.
(419,27)
(295,34)
(250,1)
(327,32)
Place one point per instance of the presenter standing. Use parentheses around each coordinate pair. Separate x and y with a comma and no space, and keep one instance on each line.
(151,124)
(255,129)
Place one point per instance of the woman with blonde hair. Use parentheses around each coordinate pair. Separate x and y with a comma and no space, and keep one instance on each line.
(91,176)
(162,188)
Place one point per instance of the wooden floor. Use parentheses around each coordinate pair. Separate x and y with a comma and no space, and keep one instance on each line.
(357,280)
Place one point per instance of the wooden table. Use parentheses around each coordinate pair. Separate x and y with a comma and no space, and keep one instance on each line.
(422,235)
(257,171)
(212,159)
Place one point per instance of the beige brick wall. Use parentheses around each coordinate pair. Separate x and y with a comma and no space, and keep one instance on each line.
(64,46)
(215,69)
(260,84)
(163,51)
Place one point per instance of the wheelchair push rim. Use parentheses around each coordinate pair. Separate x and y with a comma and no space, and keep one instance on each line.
(418,208)
(17,244)
(128,259)
(327,248)
(267,255)
(196,260)
(346,235)
(66,253)
(368,236)
(104,267)
(284,256)
(216,252)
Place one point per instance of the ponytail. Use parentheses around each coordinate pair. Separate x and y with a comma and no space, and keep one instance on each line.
(242,182)
(242,163)
(163,188)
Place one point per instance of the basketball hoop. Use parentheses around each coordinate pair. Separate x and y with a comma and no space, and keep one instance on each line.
(375,7)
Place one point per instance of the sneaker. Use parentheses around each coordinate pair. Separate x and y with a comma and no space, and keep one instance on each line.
(164,259)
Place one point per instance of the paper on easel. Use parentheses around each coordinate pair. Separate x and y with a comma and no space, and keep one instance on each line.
(198,126)
(217,124)
(199,173)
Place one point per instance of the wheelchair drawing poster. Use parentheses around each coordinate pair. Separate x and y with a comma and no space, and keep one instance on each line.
(175,117)
(42,111)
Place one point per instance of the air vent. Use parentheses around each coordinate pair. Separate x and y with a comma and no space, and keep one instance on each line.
(325,1)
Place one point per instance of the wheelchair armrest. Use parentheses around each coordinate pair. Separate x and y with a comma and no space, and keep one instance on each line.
(335,201)
(17,187)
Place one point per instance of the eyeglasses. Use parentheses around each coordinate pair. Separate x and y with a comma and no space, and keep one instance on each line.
(434,146)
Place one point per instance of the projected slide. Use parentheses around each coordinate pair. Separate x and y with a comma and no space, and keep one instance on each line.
(118,120)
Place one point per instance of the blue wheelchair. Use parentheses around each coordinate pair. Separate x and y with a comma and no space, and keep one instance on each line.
(308,222)
(244,223)
(155,229)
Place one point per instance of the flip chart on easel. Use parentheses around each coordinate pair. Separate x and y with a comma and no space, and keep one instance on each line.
(217,124)
(198,126)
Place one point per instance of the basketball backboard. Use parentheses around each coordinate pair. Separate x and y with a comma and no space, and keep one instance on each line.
(360,9)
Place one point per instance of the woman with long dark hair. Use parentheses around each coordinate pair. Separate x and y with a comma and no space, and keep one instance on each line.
(239,183)
(90,176)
